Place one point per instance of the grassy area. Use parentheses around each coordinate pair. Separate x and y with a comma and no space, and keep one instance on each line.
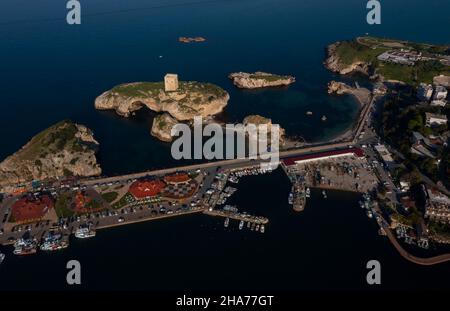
(110,196)
(351,51)
(125,200)
(367,50)
(154,88)
(269,78)
(62,205)
(421,72)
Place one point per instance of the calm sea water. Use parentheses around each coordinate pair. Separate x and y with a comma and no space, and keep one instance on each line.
(51,71)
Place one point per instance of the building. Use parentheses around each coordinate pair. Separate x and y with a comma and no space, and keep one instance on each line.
(385,155)
(440,93)
(438,206)
(141,189)
(424,92)
(402,57)
(171,82)
(30,208)
(433,119)
(177,178)
(326,155)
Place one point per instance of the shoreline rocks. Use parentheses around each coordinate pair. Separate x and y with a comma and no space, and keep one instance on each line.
(258,79)
(63,149)
(162,127)
(334,63)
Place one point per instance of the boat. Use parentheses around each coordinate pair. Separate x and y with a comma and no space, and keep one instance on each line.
(227,222)
(361,204)
(257,227)
(263,228)
(291,198)
(2,257)
(25,247)
(309,113)
(248,224)
(85,232)
(382,232)
(241,225)
(369,214)
(324,193)
(324,118)
(252,227)
(54,241)
(308,192)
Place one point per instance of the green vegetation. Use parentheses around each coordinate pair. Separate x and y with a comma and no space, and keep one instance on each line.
(367,49)
(110,196)
(413,75)
(93,205)
(50,141)
(62,205)
(123,201)
(145,89)
(352,51)
(269,78)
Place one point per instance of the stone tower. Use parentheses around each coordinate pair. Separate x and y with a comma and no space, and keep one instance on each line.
(171,82)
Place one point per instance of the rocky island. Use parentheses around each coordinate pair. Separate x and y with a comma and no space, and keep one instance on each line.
(188,100)
(162,127)
(64,149)
(256,80)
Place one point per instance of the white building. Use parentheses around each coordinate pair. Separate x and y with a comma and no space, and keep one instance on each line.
(171,82)
(385,154)
(433,119)
(440,93)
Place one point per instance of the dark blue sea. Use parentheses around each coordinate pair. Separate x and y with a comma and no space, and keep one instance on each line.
(51,71)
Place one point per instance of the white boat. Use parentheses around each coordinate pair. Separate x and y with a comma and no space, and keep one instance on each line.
(369,214)
(227,222)
(324,193)
(84,232)
(308,192)
(263,228)
(2,257)
(257,227)
(241,225)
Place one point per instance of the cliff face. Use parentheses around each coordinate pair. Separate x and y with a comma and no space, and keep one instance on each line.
(63,149)
(260,120)
(162,127)
(334,63)
(259,80)
(192,99)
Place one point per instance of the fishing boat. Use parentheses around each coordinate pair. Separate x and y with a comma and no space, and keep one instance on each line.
(308,192)
(324,193)
(263,229)
(227,222)
(2,257)
(241,225)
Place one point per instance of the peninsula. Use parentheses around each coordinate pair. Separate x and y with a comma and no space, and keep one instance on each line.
(256,80)
(64,149)
(389,60)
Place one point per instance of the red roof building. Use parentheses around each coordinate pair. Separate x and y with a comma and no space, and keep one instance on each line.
(30,209)
(177,178)
(146,188)
(324,155)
